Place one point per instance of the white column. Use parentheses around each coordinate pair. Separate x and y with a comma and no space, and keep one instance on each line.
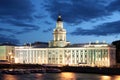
(108,57)
(54,36)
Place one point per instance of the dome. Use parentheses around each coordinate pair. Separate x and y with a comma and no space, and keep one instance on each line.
(59,18)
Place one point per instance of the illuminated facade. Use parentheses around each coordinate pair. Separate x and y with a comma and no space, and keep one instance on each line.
(90,55)
(59,53)
(7,53)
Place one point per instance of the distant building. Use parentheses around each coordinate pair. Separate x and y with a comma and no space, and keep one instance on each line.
(60,52)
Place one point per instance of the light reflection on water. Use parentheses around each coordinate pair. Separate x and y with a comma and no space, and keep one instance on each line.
(9,77)
(117,78)
(59,76)
(67,75)
(106,78)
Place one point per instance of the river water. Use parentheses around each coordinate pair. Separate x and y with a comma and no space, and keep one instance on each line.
(59,76)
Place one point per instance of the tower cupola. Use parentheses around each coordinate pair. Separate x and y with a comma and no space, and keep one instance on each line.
(59,24)
(59,35)
(59,18)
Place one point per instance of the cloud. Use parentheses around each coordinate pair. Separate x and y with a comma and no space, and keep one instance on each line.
(19,14)
(110,28)
(114,6)
(47,22)
(39,16)
(48,30)
(16,9)
(20,25)
(76,11)
(6,30)
(26,30)
(9,39)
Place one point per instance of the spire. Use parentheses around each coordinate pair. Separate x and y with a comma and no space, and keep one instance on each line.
(59,18)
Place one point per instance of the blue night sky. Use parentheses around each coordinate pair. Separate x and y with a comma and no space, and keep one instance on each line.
(24,21)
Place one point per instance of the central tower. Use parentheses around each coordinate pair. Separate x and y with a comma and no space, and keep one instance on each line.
(59,35)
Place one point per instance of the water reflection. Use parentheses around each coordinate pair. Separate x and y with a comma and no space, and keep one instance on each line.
(10,77)
(59,76)
(39,77)
(67,76)
(117,78)
(105,78)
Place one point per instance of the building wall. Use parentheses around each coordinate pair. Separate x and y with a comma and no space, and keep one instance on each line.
(74,56)
(31,55)
(2,53)
(7,53)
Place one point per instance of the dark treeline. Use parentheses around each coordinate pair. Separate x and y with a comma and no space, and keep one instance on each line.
(117,45)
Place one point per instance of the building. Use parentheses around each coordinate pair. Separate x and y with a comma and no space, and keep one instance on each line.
(60,52)
(6,54)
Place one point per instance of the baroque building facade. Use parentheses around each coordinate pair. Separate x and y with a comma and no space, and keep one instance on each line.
(61,53)
(59,35)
